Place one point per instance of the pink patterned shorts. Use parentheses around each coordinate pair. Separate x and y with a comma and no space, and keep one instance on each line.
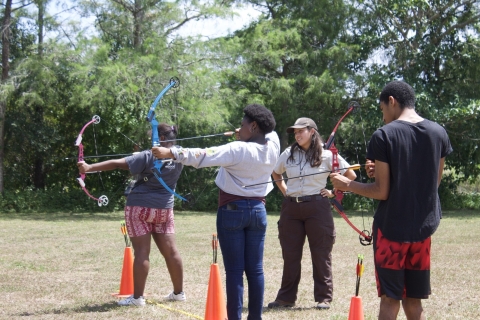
(141,221)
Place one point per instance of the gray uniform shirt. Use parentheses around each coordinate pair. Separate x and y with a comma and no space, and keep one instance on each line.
(309,185)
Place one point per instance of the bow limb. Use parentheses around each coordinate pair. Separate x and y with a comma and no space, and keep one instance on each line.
(353,105)
(95,120)
(159,163)
(174,83)
(364,236)
(102,200)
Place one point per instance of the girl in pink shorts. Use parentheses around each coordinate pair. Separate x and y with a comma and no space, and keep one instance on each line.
(149,215)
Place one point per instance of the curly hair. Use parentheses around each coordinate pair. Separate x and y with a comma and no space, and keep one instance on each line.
(263,117)
(314,153)
(401,91)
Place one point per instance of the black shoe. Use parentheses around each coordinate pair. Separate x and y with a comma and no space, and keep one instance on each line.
(278,304)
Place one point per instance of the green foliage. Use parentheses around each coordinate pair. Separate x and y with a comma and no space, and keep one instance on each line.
(433,45)
(294,66)
(301,58)
(202,197)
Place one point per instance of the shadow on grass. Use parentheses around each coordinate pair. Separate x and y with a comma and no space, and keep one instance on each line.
(62,216)
(118,215)
(290,309)
(94,308)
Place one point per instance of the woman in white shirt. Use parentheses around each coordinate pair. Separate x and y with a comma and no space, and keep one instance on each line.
(241,215)
(306,212)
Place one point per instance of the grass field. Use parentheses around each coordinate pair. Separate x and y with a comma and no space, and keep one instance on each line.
(62,266)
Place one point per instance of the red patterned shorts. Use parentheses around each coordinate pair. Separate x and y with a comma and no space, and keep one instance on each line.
(402,269)
(141,221)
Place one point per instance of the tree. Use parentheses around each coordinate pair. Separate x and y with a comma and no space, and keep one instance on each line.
(6,34)
(433,45)
(5,69)
(295,60)
(129,23)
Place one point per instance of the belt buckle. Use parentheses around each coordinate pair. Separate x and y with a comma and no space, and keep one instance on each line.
(296,199)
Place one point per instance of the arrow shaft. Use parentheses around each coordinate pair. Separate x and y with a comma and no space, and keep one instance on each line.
(226,134)
(354,167)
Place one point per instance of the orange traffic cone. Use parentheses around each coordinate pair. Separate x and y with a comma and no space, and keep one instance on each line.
(126,283)
(356,309)
(216,308)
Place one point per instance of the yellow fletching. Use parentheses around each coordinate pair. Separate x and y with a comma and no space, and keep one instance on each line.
(355,167)
(361,269)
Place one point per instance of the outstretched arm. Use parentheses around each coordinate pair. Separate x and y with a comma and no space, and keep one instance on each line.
(84,167)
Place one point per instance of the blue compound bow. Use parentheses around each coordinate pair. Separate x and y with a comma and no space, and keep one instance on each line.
(158,163)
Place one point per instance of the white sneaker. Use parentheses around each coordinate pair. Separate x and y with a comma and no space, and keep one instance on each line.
(131,301)
(175,297)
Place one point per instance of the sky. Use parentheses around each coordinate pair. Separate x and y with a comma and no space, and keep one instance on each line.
(209,28)
(215,28)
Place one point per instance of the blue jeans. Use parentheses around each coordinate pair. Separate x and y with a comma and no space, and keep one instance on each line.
(241,227)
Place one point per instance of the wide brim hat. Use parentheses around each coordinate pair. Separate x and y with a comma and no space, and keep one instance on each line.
(302,123)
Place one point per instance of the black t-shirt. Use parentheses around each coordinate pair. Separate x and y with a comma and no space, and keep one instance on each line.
(413,151)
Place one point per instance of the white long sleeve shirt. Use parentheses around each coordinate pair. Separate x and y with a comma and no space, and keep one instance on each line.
(241,164)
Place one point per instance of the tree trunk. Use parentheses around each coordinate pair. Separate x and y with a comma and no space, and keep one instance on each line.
(138,15)
(284,135)
(41,13)
(39,174)
(5,68)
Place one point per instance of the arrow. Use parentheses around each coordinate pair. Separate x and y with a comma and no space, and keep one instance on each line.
(352,167)
(226,134)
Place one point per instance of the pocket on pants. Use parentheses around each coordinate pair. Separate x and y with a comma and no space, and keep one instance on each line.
(231,219)
(261,217)
(328,237)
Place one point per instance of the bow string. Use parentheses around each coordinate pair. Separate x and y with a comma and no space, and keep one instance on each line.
(364,235)
(103,199)
(158,164)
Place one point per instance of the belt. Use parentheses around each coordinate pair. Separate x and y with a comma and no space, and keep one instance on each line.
(305,198)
